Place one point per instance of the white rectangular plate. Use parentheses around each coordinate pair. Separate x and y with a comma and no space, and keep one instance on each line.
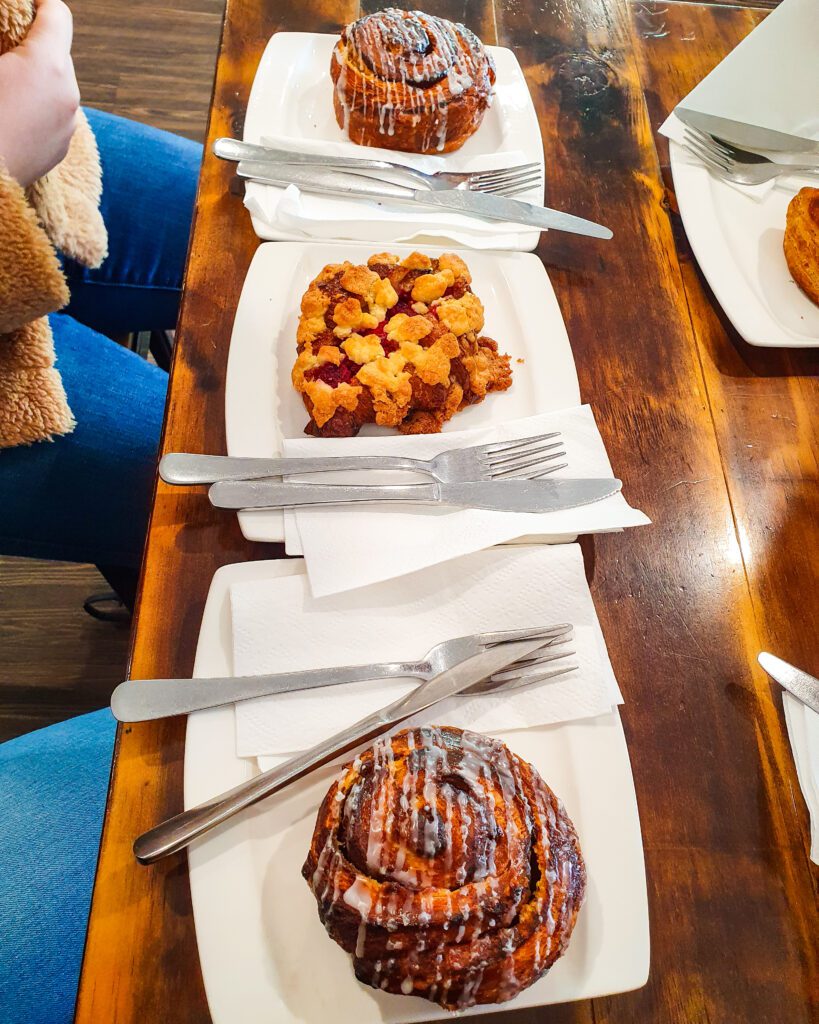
(291,103)
(262,407)
(265,956)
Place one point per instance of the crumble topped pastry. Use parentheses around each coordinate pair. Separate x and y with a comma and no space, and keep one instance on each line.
(396,342)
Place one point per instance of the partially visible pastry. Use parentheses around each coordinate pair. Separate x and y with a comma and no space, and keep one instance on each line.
(802,241)
(408,80)
(396,342)
(447,867)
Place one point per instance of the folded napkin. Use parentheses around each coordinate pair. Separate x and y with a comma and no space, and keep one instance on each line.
(803,731)
(279,626)
(674,129)
(291,215)
(770,79)
(353,546)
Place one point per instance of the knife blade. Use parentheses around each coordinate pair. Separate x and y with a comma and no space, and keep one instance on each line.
(801,684)
(495,495)
(178,832)
(747,136)
(326,181)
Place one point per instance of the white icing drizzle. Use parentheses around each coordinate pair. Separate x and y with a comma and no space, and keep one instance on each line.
(358,897)
(361,939)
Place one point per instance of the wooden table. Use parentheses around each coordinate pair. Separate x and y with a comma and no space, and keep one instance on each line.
(715,440)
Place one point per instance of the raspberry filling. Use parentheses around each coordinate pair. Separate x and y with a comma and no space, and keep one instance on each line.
(333,375)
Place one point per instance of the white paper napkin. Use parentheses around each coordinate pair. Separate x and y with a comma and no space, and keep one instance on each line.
(349,547)
(279,626)
(803,731)
(302,215)
(770,79)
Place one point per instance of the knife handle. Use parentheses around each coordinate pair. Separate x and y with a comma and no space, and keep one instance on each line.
(267,494)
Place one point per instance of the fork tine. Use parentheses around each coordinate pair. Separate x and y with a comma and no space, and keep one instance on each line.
(709,140)
(509,179)
(505,188)
(516,669)
(546,472)
(705,152)
(510,635)
(518,471)
(501,458)
(539,677)
(699,138)
(516,191)
(716,163)
(524,677)
(502,173)
(519,442)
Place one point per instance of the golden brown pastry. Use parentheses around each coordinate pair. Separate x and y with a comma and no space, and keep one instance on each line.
(396,342)
(447,867)
(802,241)
(408,80)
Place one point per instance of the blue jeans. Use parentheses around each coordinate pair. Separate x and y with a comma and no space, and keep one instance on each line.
(52,796)
(85,497)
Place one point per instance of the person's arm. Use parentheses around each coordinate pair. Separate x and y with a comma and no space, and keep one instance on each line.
(39,97)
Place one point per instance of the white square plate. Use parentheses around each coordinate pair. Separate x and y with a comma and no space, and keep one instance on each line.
(772,80)
(265,956)
(291,105)
(262,407)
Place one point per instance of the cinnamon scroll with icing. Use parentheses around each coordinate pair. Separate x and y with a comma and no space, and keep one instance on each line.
(408,80)
(447,867)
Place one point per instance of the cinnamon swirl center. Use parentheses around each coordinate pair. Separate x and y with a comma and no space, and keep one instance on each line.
(409,48)
(437,817)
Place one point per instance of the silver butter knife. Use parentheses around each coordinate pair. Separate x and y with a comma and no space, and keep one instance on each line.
(495,495)
(747,136)
(326,181)
(801,684)
(179,831)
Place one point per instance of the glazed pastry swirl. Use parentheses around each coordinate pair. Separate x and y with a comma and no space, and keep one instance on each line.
(447,867)
(408,80)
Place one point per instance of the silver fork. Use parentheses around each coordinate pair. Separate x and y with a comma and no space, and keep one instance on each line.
(142,700)
(179,831)
(738,165)
(524,458)
(507,181)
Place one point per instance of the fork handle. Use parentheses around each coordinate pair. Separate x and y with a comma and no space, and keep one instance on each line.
(236,151)
(186,469)
(143,700)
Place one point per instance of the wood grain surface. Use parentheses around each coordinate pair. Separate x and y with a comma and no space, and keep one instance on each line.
(685,604)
